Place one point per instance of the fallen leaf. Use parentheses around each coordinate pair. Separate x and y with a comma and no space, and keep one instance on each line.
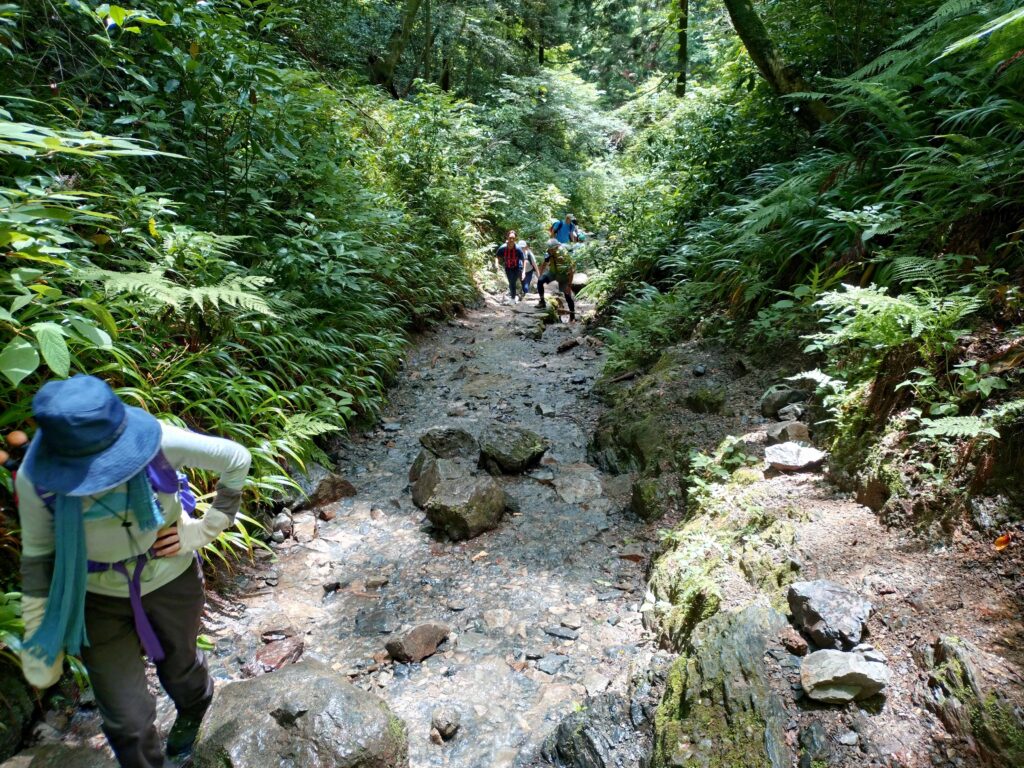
(1002,542)
(479,555)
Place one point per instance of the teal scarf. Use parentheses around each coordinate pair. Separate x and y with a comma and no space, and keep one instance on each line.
(63,625)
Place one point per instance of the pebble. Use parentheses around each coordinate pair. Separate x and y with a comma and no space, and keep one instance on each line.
(849,738)
(552,663)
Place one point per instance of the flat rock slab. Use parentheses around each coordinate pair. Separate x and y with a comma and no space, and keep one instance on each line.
(793,457)
(507,449)
(576,483)
(836,677)
(418,643)
(830,614)
(305,716)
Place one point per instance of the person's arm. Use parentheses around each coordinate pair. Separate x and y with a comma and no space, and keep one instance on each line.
(37,555)
(231,463)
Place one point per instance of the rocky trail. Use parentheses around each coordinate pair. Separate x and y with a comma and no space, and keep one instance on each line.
(575,632)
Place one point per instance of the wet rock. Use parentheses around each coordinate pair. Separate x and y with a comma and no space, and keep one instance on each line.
(577,483)
(450,443)
(16,708)
(792,412)
(836,677)
(787,432)
(274,655)
(465,506)
(305,716)
(507,449)
(304,527)
(778,396)
(969,710)
(60,756)
(562,633)
(792,457)
(433,471)
(283,523)
(552,663)
(718,707)
(814,749)
(319,486)
(706,399)
(418,643)
(446,721)
(598,735)
(831,615)
(543,409)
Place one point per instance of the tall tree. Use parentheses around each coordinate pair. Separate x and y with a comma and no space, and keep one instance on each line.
(682,29)
(782,77)
(382,71)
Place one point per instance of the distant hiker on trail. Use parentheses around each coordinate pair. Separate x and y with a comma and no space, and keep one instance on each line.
(511,257)
(565,231)
(529,266)
(110,565)
(560,268)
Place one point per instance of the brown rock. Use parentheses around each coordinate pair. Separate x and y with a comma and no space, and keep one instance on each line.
(793,641)
(418,643)
(275,655)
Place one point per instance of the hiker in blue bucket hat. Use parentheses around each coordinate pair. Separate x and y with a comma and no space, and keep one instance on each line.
(109,558)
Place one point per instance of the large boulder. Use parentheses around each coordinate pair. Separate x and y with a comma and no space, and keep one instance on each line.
(836,677)
(464,506)
(507,449)
(719,707)
(450,443)
(304,716)
(60,756)
(431,472)
(831,615)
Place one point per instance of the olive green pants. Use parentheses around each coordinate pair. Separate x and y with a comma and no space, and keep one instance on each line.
(117,668)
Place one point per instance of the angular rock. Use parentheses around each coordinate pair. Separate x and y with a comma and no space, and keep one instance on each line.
(791,457)
(319,486)
(418,643)
(465,506)
(552,663)
(283,523)
(304,527)
(446,721)
(792,412)
(506,449)
(576,483)
(814,746)
(450,443)
(793,642)
(788,432)
(60,756)
(836,677)
(831,615)
(778,396)
(719,707)
(562,633)
(304,716)
(598,735)
(274,655)
(432,471)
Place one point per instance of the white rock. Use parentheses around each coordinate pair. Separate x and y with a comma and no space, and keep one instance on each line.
(835,677)
(792,457)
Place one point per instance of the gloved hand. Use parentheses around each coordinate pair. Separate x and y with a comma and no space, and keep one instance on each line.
(195,534)
(36,671)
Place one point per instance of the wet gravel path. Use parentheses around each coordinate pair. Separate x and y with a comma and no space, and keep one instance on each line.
(564,557)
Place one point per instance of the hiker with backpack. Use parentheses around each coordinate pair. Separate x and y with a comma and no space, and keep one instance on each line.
(511,257)
(529,266)
(110,565)
(565,231)
(559,268)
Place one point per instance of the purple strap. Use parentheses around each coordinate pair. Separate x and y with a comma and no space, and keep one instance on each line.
(147,635)
(166,479)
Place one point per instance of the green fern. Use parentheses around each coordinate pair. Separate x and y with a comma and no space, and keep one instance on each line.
(238,291)
(965,427)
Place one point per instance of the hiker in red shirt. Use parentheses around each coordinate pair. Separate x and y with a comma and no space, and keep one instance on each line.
(511,257)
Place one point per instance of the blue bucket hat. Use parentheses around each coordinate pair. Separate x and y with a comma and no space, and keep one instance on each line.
(88,441)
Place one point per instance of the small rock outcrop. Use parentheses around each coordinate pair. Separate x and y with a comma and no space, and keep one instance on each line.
(601,734)
(778,396)
(464,506)
(305,716)
(788,432)
(831,615)
(319,486)
(446,721)
(793,457)
(431,472)
(416,644)
(836,677)
(450,443)
(507,449)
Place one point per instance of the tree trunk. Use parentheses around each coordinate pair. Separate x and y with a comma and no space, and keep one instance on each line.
(384,71)
(428,48)
(781,77)
(682,27)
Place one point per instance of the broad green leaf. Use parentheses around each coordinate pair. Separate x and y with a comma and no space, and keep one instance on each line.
(91,333)
(18,360)
(101,313)
(54,348)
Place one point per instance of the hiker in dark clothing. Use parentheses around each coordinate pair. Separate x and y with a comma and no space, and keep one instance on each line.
(530,268)
(559,268)
(110,565)
(511,257)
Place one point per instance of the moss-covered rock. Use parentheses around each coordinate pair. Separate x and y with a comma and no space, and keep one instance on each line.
(654,496)
(706,399)
(507,449)
(718,709)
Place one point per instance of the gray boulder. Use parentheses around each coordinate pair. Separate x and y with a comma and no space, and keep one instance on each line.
(831,615)
(464,506)
(60,756)
(431,473)
(787,432)
(598,735)
(836,677)
(778,396)
(449,443)
(793,457)
(506,449)
(304,716)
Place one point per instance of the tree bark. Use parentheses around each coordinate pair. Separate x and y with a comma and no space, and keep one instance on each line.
(383,71)
(783,78)
(682,28)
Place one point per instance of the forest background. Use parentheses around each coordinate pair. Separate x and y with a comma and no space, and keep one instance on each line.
(239,211)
